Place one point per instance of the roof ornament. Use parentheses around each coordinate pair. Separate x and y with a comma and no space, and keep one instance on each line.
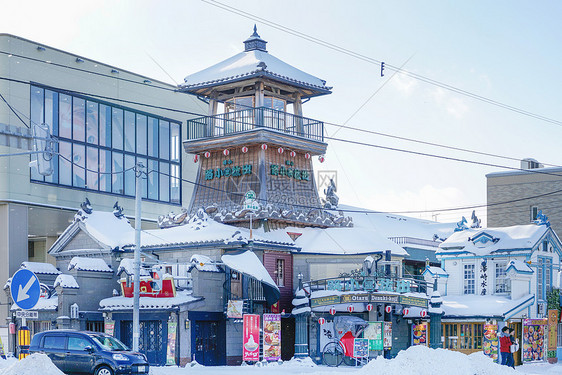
(475,220)
(255,42)
(542,219)
(86,206)
(118,210)
(332,199)
(461,225)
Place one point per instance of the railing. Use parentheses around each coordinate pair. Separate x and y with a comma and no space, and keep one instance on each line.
(252,118)
(369,284)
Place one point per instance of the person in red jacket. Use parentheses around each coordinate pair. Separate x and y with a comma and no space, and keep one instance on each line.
(505,343)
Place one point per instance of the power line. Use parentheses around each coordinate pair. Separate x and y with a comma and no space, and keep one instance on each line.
(13,110)
(378,62)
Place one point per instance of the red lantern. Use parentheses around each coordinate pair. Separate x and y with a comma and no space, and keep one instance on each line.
(405,311)
(332,311)
(264,147)
(307,156)
(293,154)
(369,307)
(244,149)
(207,154)
(280,150)
(423,313)
(196,158)
(350,308)
(321,159)
(388,309)
(321,321)
(226,152)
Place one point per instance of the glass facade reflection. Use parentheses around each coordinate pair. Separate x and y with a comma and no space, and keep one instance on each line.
(100,143)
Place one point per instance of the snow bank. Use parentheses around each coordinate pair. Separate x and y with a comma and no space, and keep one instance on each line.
(32,365)
(421,360)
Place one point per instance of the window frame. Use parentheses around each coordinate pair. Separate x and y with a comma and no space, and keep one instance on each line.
(469,288)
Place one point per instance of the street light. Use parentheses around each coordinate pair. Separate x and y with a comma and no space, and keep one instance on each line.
(136,263)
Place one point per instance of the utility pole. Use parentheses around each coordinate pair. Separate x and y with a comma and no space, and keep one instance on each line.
(136,263)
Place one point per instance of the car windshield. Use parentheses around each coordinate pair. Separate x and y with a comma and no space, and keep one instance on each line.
(109,343)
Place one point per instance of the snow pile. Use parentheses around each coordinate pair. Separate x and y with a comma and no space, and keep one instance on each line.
(32,365)
(300,362)
(421,360)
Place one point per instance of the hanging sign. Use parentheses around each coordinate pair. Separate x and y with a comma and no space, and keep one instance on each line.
(387,335)
(373,332)
(491,342)
(171,347)
(552,329)
(109,327)
(271,337)
(534,340)
(251,338)
(234,309)
(419,334)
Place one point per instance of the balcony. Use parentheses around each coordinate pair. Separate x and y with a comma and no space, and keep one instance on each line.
(254,118)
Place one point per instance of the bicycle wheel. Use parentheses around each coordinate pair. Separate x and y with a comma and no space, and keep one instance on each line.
(349,361)
(332,355)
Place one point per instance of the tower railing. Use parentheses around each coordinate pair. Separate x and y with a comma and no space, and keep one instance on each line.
(252,118)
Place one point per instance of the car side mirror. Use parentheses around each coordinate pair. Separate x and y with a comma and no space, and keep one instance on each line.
(89,349)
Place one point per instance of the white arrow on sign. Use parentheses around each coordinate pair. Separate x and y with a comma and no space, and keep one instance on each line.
(22,292)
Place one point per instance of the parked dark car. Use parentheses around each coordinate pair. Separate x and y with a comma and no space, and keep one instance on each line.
(96,353)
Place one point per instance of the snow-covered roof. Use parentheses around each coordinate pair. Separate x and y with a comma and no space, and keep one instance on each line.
(484,241)
(40,268)
(109,229)
(485,306)
(519,266)
(148,303)
(203,263)
(127,265)
(66,281)
(435,271)
(89,264)
(43,304)
(346,241)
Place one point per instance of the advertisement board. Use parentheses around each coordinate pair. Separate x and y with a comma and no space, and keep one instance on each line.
(534,342)
(387,335)
(251,338)
(234,309)
(271,337)
(419,334)
(171,346)
(490,345)
(373,332)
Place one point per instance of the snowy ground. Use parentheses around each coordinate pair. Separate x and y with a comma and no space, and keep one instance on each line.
(417,360)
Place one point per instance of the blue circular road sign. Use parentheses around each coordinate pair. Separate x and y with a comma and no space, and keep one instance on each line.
(25,289)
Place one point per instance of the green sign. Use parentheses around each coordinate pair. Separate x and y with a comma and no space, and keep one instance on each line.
(373,332)
(281,170)
(413,301)
(234,171)
(171,347)
(324,301)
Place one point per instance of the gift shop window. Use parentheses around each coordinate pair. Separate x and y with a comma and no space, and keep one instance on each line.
(464,337)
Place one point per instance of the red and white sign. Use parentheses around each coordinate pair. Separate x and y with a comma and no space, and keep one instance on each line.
(226,152)
(423,313)
(321,321)
(307,156)
(264,147)
(332,311)
(244,149)
(251,337)
(369,307)
(196,158)
(207,154)
(280,150)
(350,308)
(405,311)
(321,159)
(388,309)
(293,154)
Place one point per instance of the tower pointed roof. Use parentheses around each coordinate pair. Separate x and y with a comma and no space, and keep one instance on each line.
(255,42)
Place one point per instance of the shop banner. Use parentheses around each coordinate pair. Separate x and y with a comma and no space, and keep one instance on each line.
(327,333)
(171,346)
(419,334)
(360,348)
(251,337)
(491,342)
(109,327)
(272,337)
(373,332)
(234,309)
(552,329)
(533,340)
(387,335)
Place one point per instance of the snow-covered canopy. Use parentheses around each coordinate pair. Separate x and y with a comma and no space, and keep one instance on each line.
(488,240)
(40,268)
(148,303)
(89,264)
(66,281)
(249,264)
(435,271)
(488,306)
(519,266)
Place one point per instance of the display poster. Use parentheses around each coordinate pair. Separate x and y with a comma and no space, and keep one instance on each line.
(491,341)
(419,334)
(533,340)
(360,348)
(251,338)
(373,332)
(271,337)
(171,347)
(234,309)
(109,327)
(326,333)
(552,329)
(387,335)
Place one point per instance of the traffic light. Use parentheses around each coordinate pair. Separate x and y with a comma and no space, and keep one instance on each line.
(43,144)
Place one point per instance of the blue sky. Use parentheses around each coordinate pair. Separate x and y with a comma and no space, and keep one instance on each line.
(507,51)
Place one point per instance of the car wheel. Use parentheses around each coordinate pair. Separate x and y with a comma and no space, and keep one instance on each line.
(104,370)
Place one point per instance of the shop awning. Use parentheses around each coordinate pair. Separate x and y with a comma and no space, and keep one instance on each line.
(249,264)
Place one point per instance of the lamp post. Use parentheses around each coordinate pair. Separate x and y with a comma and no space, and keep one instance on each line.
(136,263)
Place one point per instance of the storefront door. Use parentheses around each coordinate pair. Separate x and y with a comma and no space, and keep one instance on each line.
(207,343)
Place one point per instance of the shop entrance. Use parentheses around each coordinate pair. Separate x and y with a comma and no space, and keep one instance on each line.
(208,338)
(287,338)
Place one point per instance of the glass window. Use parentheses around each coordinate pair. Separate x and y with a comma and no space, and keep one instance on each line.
(152,179)
(117,128)
(175,187)
(105,125)
(469,279)
(54,178)
(144,181)
(105,170)
(65,167)
(129,131)
(54,342)
(92,123)
(141,134)
(79,165)
(153,137)
(164,182)
(280,272)
(117,170)
(78,119)
(502,282)
(164,140)
(175,146)
(78,343)
(37,105)
(92,177)
(52,111)
(65,116)
(534,213)
(129,175)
